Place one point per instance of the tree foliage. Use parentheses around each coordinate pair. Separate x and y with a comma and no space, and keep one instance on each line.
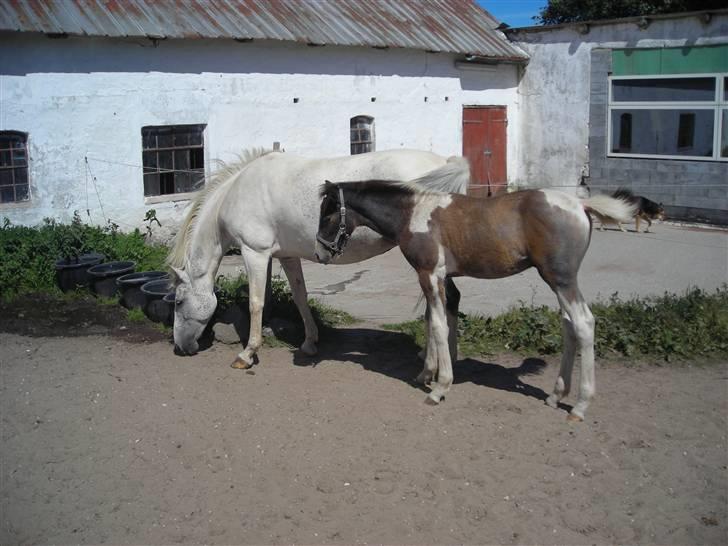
(570,11)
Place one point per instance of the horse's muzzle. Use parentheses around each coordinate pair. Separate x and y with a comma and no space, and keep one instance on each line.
(188,351)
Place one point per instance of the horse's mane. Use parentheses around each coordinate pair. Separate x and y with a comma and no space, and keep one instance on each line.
(225,172)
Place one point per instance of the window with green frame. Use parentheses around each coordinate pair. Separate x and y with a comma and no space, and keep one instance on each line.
(669,103)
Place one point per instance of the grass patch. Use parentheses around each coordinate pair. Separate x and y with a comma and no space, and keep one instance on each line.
(665,327)
(136,315)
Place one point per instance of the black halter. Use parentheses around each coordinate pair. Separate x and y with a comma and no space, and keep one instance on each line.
(336,247)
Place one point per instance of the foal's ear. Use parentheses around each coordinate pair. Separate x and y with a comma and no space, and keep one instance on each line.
(325,187)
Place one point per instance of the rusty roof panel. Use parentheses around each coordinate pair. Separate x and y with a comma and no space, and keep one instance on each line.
(455,26)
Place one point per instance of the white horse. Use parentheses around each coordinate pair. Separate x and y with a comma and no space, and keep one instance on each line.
(267,205)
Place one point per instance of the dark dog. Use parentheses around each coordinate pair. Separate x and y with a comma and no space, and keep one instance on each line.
(644,210)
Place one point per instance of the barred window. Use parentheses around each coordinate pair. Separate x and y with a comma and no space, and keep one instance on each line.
(173,157)
(14,186)
(362,134)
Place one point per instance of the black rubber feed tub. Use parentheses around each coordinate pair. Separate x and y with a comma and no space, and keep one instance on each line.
(159,306)
(73,273)
(102,277)
(130,287)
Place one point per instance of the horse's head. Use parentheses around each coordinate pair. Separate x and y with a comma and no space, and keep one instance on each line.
(195,303)
(335,227)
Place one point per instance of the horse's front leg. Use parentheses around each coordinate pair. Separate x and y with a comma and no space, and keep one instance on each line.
(438,352)
(256,266)
(429,370)
(294,274)
(452,307)
(452,304)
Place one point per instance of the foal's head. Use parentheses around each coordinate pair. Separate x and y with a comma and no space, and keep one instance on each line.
(335,224)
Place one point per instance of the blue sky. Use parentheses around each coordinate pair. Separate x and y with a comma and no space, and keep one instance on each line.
(516,13)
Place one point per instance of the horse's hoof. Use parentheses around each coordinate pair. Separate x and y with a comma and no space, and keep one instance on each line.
(240,364)
(309,348)
(572,418)
(424,378)
(552,402)
(431,402)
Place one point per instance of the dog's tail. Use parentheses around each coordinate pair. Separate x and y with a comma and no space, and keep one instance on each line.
(612,208)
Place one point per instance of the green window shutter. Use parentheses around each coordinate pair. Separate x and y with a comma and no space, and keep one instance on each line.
(670,60)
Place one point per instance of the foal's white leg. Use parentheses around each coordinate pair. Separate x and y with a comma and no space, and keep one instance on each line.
(582,322)
(452,304)
(294,273)
(256,266)
(438,352)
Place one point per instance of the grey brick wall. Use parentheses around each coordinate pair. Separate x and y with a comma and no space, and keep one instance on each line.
(689,190)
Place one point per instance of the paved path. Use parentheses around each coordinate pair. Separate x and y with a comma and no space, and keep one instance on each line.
(673,258)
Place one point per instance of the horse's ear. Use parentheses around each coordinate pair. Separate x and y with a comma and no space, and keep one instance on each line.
(181,274)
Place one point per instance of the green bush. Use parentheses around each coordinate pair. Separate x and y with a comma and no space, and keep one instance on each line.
(666,327)
(28,254)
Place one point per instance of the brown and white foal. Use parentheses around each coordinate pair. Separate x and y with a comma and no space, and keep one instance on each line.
(448,235)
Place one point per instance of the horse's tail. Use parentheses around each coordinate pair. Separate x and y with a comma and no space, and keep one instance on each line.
(618,209)
(452,177)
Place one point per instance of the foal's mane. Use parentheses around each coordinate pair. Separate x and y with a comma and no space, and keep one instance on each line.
(225,172)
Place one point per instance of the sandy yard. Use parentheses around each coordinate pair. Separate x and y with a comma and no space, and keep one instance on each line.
(108,437)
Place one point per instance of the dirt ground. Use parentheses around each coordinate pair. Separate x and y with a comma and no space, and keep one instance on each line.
(108,437)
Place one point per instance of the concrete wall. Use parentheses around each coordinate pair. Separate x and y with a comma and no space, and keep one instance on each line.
(89,97)
(563,97)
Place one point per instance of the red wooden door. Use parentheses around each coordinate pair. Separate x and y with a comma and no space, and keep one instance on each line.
(484,144)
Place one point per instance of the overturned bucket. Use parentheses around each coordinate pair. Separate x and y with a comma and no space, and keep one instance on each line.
(130,287)
(102,277)
(159,306)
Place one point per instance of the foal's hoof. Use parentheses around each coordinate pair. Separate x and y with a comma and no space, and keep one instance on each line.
(574,418)
(240,364)
(430,402)
(434,398)
(552,402)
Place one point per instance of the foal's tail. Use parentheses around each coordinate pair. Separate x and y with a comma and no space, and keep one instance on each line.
(617,209)
(452,177)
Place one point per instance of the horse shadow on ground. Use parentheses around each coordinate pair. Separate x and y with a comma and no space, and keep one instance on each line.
(394,354)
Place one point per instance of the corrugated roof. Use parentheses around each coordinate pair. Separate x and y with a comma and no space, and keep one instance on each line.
(455,26)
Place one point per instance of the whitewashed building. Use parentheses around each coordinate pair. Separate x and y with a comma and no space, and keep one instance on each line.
(111,109)
(640,102)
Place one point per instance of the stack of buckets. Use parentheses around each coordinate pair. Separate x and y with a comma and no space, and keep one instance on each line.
(150,291)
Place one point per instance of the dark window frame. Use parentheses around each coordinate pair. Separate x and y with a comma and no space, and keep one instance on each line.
(173,159)
(362,138)
(14,167)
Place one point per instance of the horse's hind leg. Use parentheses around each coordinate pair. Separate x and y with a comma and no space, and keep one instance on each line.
(294,273)
(256,266)
(580,336)
(563,381)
